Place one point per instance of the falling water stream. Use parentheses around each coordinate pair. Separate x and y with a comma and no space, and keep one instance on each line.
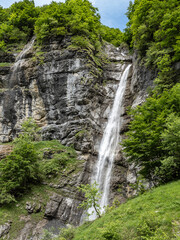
(109,144)
(19,61)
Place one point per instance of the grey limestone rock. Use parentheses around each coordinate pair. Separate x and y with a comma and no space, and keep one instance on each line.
(53,205)
(4,229)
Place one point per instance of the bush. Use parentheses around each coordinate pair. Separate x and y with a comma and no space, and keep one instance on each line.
(153,30)
(67,233)
(54,165)
(20,168)
(30,130)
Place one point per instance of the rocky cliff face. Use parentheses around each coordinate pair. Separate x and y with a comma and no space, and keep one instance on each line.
(58,94)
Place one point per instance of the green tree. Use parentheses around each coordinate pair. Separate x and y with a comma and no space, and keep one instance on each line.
(170,164)
(144,144)
(18,170)
(17,22)
(74,17)
(153,30)
(112,35)
(23,15)
(92,195)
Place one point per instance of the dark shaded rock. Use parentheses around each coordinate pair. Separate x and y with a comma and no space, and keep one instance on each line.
(53,205)
(65,209)
(7,57)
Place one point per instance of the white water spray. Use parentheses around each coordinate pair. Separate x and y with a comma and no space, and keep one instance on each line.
(109,144)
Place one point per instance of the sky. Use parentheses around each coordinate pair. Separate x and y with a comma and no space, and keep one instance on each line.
(112,11)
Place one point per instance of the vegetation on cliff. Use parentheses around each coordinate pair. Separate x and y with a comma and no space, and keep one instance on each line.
(154,132)
(153,30)
(153,140)
(154,136)
(77,20)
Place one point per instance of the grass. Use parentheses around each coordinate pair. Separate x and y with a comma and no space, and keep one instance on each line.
(155,215)
(5,64)
(56,158)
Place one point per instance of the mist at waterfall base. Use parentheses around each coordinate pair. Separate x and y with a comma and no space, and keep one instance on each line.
(108,146)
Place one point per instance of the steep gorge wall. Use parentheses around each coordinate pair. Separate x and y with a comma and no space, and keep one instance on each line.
(69,107)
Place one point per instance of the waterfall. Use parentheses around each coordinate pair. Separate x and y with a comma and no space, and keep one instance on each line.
(19,62)
(109,144)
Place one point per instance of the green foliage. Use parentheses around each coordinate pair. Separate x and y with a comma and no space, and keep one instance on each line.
(17,22)
(35,192)
(5,64)
(67,233)
(54,165)
(79,20)
(153,28)
(153,215)
(47,235)
(55,158)
(21,167)
(74,17)
(170,164)
(18,170)
(38,194)
(30,129)
(2,45)
(150,140)
(112,35)
(92,196)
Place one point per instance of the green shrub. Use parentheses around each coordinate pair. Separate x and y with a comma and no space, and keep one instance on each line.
(30,129)
(18,170)
(21,167)
(54,165)
(92,197)
(67,233)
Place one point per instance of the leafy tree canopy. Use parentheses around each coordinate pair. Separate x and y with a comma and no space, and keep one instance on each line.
(153,29)
(17,22)
(112,35)
(54,21)
(151,140)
